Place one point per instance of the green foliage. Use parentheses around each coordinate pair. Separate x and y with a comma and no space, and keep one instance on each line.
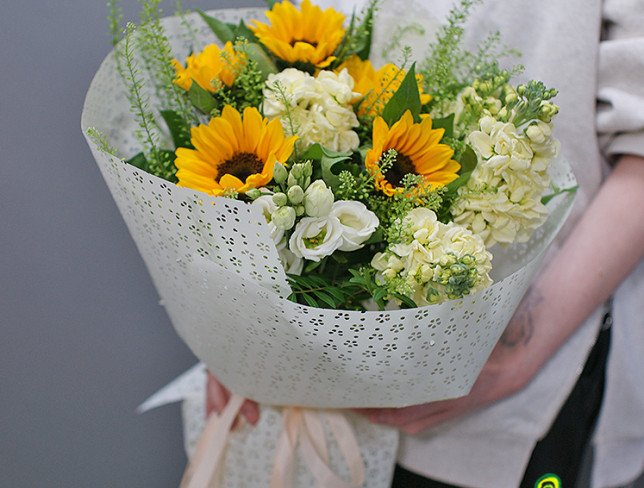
(364,279)
(449,67)
(558,191)
(156,53)
(225,31)
(101,141)
(357,39)
(163,167)
(147,132)
(329,162)
(407,97)
(179,131)
(189,30)
(319,291)
(201,99)
(115,18)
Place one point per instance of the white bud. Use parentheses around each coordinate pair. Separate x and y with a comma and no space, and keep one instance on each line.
(284,218)
(318,199)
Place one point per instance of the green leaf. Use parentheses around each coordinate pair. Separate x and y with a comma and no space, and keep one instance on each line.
(201,99)
(222,30)
(242,30)
(367,27)
(405,300)
(328,159)
(309,300)
(179,128)
(264,62)
(327,299)
(270,4)
(139,161)
(446,123)
(377,237)
(558,192)
(469,160)
(407,97)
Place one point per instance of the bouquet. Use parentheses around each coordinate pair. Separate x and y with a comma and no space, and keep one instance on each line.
(322,230)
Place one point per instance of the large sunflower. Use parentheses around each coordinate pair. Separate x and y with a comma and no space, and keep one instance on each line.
(377,86)
(309,35)
(419,152)
(210,65)
(233,153)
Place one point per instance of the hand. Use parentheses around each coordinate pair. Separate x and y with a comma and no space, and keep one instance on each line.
(217,397)
(509,368)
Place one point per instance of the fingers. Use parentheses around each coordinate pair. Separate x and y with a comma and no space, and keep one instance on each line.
(217,397)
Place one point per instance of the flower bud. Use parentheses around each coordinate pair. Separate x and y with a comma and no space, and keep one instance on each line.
(279,173)
(296,171)
(254,193)
(284,218)
(318,199)
(292,180)
(295,194)
(299,210)
(280,199)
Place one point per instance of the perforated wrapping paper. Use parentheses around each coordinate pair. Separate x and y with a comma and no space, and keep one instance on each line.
(218,274)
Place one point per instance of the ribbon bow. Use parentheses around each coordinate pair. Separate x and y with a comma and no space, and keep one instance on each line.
(301,428)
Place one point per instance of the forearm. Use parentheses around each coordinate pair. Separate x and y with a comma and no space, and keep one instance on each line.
(606,244)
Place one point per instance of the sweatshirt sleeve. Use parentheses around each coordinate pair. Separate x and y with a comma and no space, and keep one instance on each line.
(620,91)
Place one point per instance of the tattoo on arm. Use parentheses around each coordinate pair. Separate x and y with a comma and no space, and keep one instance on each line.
(521,328)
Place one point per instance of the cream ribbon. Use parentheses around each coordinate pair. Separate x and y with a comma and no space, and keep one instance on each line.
(299,424)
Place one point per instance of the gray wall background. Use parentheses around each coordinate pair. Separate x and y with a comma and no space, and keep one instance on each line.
(84,340)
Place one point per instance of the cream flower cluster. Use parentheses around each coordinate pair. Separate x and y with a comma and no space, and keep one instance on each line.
(316,109)
(434,262)
(502,200)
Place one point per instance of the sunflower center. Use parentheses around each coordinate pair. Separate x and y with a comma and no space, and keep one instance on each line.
(401,167)
(241,165)
(312,43)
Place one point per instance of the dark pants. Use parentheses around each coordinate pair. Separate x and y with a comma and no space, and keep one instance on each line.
(562,449)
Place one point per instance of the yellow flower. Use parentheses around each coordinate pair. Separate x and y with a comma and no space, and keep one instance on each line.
(419,152)
(309,35)
(233,153)
(210,65)
(377,86)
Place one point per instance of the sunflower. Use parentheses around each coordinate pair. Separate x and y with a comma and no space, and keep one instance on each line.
(233,153)
(419,152)
(210,66)
(377,86)
(309,35)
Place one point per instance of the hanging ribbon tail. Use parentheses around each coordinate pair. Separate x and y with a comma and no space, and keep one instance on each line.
(305,426)
(202,469)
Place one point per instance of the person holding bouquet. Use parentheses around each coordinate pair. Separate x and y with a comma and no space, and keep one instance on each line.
(552,382)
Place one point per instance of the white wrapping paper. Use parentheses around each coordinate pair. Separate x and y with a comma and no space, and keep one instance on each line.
(214,265)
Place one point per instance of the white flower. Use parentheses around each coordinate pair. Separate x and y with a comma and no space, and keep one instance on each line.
(434,261)
(284,218)
(291,263)
(318,199)
(316,237)
(318,109)
(267,206)
(502,199)
(357,221)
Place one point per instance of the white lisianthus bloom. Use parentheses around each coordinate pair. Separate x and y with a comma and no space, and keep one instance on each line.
(318,199)
(316,237)
(291,263)
(357,221)
(318,109)
(267,206)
